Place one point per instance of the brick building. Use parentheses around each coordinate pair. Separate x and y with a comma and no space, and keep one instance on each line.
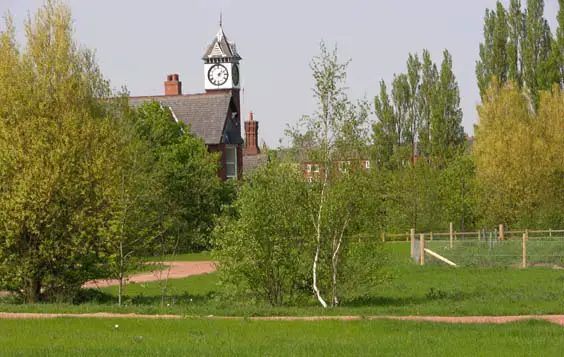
(215,115)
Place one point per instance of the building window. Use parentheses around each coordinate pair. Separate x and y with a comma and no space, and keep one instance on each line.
(308,168)
(367,164)
(315,168)
(231,161)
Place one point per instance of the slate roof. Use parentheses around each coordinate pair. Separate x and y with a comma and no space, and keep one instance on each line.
(228,49)
(252,162)
(205,113)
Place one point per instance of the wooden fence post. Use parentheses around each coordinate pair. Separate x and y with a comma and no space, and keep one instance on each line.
(451,235)
(501,232)
(383,237)
(422,248)
(412,235)
(431,236)
(525,238)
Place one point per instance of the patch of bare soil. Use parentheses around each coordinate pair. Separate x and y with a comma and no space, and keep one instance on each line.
(177,270)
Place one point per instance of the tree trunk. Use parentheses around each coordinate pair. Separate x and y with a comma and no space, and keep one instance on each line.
(32,292)
(318,240)
(315,288)
(120,289)
(335,262)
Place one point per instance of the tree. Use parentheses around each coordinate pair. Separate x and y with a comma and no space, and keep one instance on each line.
(511,169)
(387,131)
(493,51)
(86,184)
(426,100)
(338,132)
(516,20)
(423,116)
(58,158)
(263,246)
(447,134)
(560,38)
(519,47)
(169,194)
(192,193)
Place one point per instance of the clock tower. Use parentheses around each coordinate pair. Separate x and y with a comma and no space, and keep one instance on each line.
(222,77)
(221,64)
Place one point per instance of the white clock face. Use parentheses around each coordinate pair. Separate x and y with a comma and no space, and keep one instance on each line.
(218,75)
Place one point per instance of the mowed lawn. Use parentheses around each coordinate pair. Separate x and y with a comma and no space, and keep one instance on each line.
(206,337)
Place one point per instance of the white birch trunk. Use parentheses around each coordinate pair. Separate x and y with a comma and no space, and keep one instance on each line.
(335,261)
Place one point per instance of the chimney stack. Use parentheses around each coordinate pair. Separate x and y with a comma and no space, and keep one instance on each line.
(173,86)
(251,136)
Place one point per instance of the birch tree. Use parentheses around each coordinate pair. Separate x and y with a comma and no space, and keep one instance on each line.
(338,129)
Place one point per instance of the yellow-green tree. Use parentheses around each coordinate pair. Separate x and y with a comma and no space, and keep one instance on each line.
(58,156)
(516,153)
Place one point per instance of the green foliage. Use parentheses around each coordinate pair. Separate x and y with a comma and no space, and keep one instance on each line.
(520,175)
(58,152)
(338,142)
(428,198)
(264,249)
(422,117)
(190,193)
(560,38)
(519,47)
(86,183)
(419,149)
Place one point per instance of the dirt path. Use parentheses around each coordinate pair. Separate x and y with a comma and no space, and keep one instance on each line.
(177,270)
(556,319)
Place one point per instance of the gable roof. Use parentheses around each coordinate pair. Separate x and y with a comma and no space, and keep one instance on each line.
(205,113)
(220,47)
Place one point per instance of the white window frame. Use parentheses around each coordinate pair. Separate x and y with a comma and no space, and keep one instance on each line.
(367,164)
(315,168)
(231,168)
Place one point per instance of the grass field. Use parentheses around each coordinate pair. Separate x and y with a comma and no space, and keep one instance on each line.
(414,290)
(199,337)
(187,257)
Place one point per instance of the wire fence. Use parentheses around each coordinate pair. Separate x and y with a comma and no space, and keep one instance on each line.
(519,249)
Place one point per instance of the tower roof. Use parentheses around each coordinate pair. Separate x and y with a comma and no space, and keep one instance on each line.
(220,47)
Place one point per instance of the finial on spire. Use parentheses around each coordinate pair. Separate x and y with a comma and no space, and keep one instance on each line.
(221,19)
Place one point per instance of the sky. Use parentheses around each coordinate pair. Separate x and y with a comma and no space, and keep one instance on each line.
(138,42)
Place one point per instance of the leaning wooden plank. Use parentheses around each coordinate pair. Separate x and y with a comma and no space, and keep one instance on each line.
(439,257)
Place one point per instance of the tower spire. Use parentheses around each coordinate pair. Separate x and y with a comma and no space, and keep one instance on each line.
(221,19)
